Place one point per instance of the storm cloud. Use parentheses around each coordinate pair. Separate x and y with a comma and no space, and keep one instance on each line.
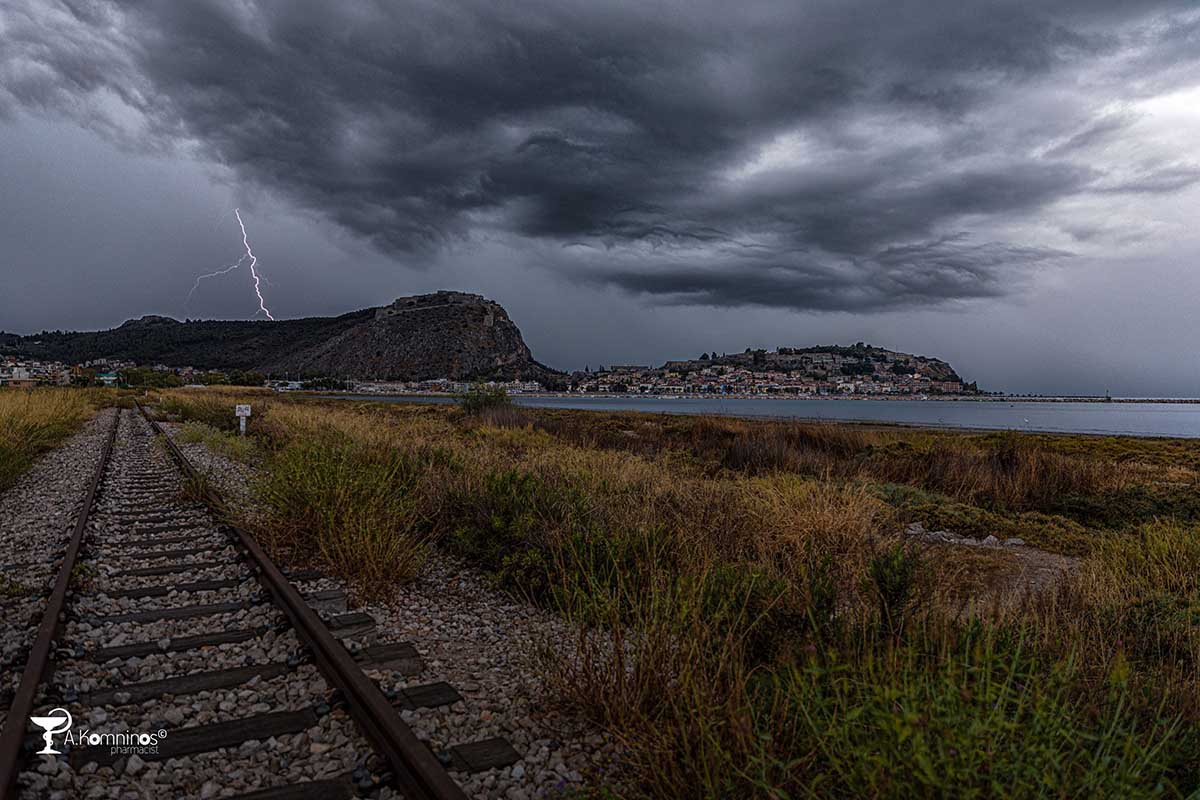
(817,155)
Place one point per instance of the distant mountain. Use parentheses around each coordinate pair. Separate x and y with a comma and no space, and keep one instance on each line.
(441,335)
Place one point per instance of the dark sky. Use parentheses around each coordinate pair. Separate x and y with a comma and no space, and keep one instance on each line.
(1011,186)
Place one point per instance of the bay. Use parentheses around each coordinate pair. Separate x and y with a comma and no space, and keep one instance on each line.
(1117,418)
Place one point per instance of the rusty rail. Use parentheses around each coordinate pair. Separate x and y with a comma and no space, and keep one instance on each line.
(12,738)
(417,771)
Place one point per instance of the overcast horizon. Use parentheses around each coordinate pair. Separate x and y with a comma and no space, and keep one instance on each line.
(1008,186)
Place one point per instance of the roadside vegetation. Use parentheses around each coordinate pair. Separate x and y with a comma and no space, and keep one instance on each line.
(225,443)
(752,622)
(37,420)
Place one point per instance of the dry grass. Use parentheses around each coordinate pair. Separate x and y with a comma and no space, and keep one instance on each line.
(1000,470)
(34,421)
(1012,474)
(747,625)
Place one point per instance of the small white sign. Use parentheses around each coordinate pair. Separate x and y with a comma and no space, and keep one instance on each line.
(242,410)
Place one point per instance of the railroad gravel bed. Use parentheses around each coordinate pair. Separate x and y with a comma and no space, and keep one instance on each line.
(36,518)
(233,479)
(481,641)
(330,746)
(87,676)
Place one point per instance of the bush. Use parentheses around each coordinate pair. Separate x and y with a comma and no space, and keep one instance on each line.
(1011,473)
(503,416)
(745,602)
(893,575)
(497,519)
(482,397)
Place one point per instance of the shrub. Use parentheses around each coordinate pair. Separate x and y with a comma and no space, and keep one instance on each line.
(893,576)
(497,518)
(599,575)
(482,396)
(823,599)
(1011,473)
(746,602)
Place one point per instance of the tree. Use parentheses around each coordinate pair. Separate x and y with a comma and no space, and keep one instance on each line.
(245,378)
(333,384)
(149,378)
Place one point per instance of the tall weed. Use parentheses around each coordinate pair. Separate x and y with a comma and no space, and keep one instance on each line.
(332,500)
(34,421)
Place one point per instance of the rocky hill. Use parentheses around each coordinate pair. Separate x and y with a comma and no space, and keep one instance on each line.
(824,361)
(441,335)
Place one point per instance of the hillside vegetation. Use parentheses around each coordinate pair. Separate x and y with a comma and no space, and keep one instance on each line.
(213,344)
(440,335)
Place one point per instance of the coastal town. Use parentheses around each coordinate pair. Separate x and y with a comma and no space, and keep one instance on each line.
(21,373)
(859,370)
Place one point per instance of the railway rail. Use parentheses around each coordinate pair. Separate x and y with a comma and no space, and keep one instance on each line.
(225,674)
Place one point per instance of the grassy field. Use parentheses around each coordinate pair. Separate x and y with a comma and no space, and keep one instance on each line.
(34,421)
(752,621)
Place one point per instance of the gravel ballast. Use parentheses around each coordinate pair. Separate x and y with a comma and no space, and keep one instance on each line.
(328,744)
(37,516)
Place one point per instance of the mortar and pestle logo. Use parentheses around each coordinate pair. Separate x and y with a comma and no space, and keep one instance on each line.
(52,724)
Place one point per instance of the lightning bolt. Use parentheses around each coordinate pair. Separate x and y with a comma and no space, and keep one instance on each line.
(199,278)
(262,305)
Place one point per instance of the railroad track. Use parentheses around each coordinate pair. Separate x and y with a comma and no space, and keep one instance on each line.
(191,665)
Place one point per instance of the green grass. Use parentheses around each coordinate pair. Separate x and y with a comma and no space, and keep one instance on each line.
(225,443)
(980,716)
(933,708)
(212,406)
(334,501)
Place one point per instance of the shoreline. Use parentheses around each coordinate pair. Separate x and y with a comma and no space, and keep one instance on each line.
(798,397)
(751,412)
